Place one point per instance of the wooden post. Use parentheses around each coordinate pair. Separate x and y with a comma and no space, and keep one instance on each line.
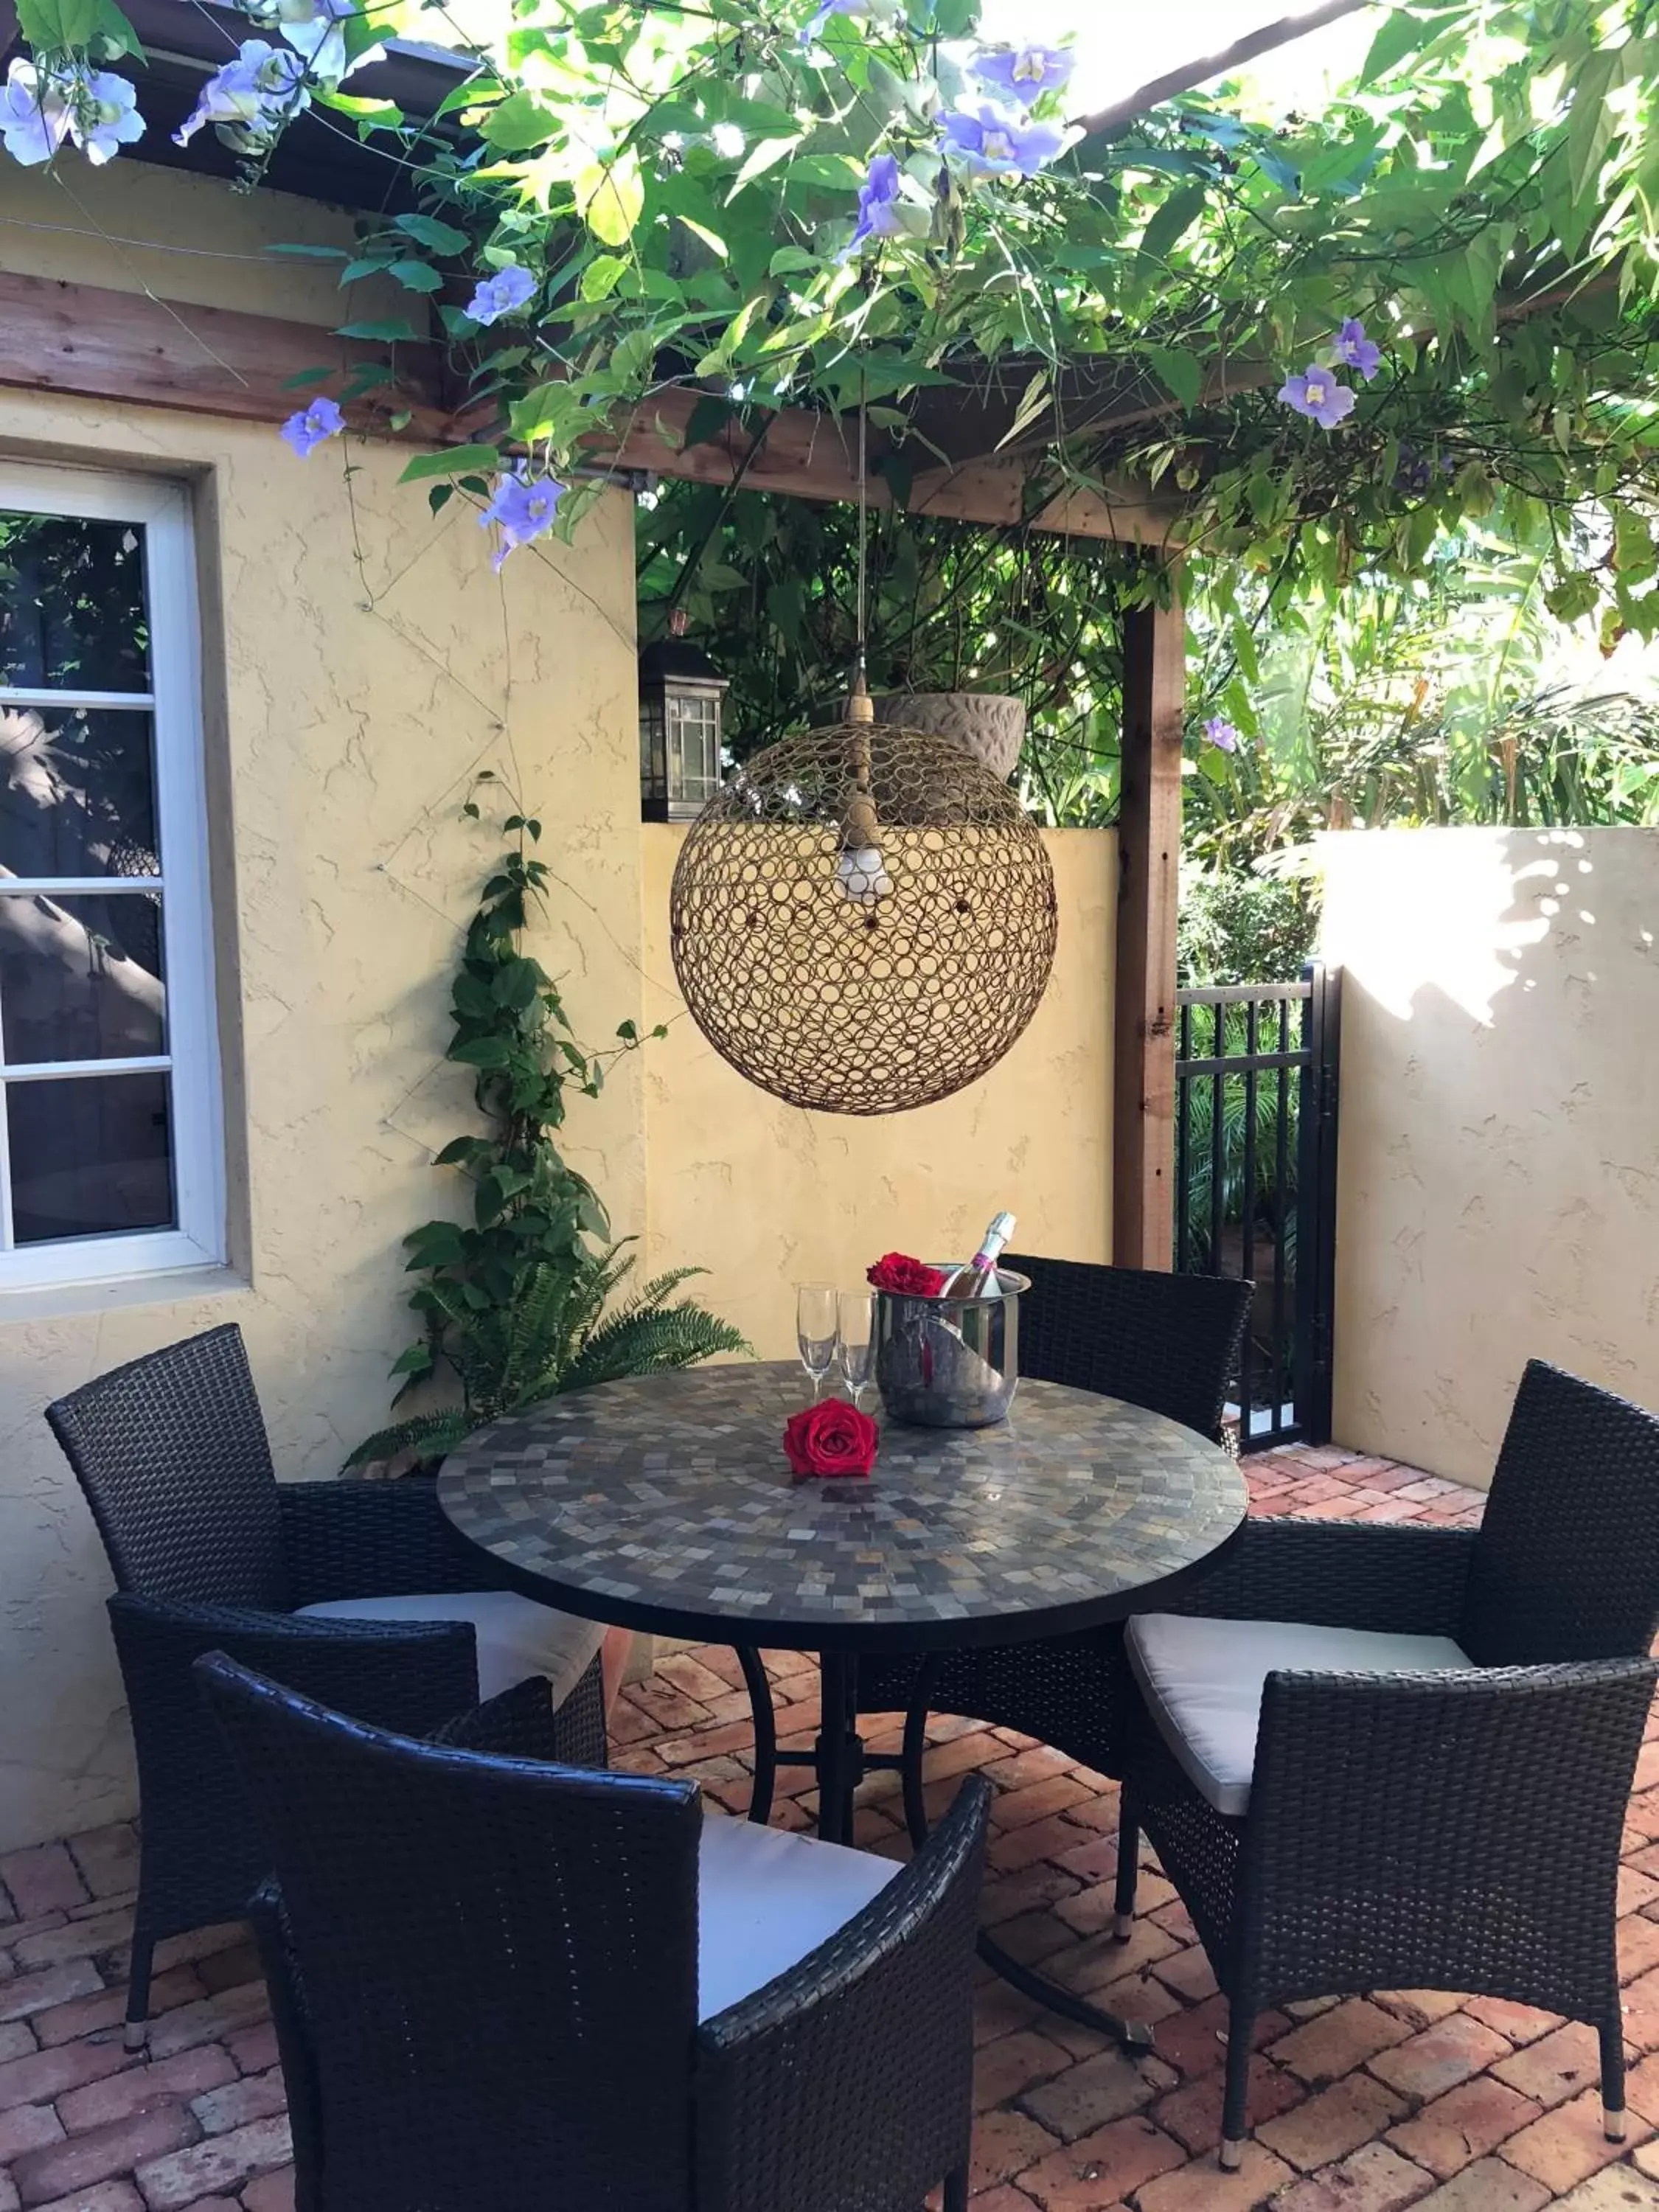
(1149,855)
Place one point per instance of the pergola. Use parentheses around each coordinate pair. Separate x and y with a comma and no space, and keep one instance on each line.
(105,344)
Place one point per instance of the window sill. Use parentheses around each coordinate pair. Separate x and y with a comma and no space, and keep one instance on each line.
(166,1286)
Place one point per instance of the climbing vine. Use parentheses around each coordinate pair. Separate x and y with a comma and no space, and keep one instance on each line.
(512,1302)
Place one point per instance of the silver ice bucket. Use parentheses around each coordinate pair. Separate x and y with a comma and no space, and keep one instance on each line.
(949,1363)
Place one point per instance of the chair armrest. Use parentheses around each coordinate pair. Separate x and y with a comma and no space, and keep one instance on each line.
(523,1723)
(849,2079)
(1449,1831)
(353,1538)
(1339,1574)
(406,1675)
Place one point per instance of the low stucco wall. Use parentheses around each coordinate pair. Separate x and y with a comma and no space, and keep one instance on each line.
(769,1196)
(1499,1178)
(349,707)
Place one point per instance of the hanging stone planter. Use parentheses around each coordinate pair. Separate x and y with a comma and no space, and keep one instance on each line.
(989,725)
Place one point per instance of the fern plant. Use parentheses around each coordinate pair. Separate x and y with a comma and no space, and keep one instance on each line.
(551,1333)
(513,1303)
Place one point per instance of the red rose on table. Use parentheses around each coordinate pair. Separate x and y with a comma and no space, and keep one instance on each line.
(831,1438)
(907,1277)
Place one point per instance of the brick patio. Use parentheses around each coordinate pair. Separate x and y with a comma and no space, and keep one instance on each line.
(1365,2106)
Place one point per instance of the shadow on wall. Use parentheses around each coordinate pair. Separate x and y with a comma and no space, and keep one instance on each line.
(1498,1181)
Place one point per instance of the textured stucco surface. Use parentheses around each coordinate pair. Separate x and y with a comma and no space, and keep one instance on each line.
(347,709)
(769,1196)
(1498,1185)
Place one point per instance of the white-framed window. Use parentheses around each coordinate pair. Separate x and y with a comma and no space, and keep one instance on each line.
(111,1132)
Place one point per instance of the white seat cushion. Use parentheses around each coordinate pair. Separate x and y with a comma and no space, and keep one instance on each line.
(1203,1681)
(516,1636)
(765,1898)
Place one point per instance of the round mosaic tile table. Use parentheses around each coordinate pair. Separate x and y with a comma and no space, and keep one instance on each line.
(665,1503)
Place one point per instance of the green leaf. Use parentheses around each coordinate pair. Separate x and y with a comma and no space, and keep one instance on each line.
(521,123)
(486,1052)
(312,252)
(384,112)
(1401,34)
(516,985)
(716,245)
(426,230)
(301,377)
(610,197)
(601,276)
(1183,372)
(1172,220)
(761,158)
(449,460)
(51,26)
(416,276)
(393,330)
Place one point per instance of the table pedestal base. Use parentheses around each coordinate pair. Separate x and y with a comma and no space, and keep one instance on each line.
(841,1762)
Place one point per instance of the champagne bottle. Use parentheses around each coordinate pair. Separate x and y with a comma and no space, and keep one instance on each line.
(978,1279)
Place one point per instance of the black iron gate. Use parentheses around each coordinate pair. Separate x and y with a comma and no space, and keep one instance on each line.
(1256,1070)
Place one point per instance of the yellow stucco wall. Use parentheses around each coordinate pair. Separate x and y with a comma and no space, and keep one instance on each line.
(349,707)
(769,1196)
(1499,1170)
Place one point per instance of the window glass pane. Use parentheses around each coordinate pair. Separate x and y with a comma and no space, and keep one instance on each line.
(77,792)
(80,978)
(89,1156)
(72,603)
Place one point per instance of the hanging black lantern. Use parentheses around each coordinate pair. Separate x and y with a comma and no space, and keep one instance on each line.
(681,692)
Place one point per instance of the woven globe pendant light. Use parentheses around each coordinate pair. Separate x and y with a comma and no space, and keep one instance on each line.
(863,919)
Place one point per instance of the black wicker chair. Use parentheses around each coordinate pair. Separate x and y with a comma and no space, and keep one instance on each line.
(1362,1828)
(209,1552)
(1166,1341)
(503,1984)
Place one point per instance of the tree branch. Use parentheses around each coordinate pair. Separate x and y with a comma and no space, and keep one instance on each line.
(1262,41)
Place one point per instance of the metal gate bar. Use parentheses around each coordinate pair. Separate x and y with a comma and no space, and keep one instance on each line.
(1236,1046)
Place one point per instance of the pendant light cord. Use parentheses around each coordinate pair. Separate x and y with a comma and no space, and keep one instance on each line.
(860,672)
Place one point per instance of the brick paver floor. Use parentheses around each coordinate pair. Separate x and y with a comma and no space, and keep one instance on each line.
(1372,2104)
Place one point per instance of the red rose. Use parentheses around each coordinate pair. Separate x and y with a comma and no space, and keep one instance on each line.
(907,1277)
(831,1438)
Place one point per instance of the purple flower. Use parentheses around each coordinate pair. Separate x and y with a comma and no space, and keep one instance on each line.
(104,116)
(313,426)
(1416,470)
(35,116)
(832,8)
(1318,396)
(503,294)
(1355,350)
(523,507)
(993,144)
(1220,733)
(877,201)
(252,97)
(1025,73)
(315,29)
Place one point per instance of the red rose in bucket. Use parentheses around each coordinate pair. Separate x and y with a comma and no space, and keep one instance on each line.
(905,1278)
(831,1438)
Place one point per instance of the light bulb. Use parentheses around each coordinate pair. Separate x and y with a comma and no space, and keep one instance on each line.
(862,874)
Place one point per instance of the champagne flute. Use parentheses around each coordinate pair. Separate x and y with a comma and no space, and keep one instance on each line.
(858,1320)
(815,1330)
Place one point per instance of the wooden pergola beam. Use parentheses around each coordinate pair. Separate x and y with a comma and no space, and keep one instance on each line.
(96,342)
(1149,886)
